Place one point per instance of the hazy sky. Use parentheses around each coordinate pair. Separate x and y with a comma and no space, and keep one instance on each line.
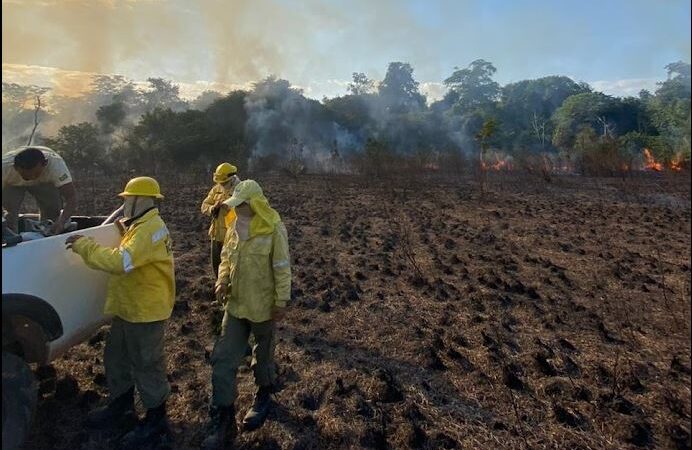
(619,46)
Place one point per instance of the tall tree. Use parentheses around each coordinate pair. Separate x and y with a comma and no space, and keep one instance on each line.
(111,116)
(474,86)
(163,94)
(205,99)
(18,113)
(399,90)
(588,109)
(527,107)
(670,112)
(227,119)
(79,144)
(361,84)
(488,129)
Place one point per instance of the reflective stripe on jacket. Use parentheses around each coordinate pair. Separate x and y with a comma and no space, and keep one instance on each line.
(142,283)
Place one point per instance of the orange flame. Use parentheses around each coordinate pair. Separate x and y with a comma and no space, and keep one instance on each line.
(498,165)
(676,163)
(650,162)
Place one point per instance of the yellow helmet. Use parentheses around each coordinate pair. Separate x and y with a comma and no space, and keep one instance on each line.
(224,172)
(143,186)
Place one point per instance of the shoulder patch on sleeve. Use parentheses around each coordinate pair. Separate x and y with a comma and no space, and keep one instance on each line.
(160,234)
(63,177)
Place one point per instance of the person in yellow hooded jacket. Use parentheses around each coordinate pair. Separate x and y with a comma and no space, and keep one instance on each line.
(225,178)
(254,284)
(140,297)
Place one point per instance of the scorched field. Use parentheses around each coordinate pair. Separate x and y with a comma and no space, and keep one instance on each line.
(424,315)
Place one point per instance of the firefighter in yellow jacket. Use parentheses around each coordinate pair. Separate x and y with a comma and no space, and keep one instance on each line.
(254,284)
(225,177)
(141,293)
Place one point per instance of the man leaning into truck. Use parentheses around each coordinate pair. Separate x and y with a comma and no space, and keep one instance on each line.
(141,293)
(42,173)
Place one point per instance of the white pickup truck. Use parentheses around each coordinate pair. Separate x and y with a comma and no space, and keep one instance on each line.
(51,301)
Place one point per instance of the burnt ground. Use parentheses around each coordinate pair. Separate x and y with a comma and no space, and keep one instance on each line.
(426,316)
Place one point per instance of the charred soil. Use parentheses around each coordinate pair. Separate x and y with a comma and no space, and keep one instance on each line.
(426,316)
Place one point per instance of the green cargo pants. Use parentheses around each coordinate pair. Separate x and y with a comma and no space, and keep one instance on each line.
(134,356)
(229,352)
(216,247)
(47,197)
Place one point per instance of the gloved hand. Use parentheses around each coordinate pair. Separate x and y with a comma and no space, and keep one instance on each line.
(69,242)
(220,293)
(217,208)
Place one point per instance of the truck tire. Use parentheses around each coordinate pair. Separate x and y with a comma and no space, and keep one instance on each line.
(18,400)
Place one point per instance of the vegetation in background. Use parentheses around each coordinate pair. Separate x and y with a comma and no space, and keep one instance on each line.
(373,128)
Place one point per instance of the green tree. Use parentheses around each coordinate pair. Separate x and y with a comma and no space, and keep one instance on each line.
(484,135)
(399,90)
(145,144)
(474,86)
(526,108)
(361,84)
(670,112)
(111,117)
(18,113)
(227,119)
(205,99)
(115,89)
(79,144)
(587,109)
(352,112)
(163,94)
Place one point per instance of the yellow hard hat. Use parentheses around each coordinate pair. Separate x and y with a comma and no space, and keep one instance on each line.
(224,172)
(143,186)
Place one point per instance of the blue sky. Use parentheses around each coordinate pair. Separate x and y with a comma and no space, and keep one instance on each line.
(617,46)
(607,39)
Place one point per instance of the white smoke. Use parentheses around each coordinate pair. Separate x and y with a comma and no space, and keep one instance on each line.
(285,127)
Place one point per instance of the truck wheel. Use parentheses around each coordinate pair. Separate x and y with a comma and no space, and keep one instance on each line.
(18,400)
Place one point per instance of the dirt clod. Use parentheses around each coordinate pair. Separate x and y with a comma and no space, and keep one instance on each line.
(570,416)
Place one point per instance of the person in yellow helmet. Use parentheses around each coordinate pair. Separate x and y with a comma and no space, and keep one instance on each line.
(225,178)
(140,297)
(254,284)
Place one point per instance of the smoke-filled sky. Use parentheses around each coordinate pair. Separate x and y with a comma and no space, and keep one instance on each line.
(618,46)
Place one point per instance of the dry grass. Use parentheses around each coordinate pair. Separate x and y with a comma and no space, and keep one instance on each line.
(545,316)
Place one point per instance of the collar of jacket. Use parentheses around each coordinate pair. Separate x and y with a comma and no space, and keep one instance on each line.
(144,215)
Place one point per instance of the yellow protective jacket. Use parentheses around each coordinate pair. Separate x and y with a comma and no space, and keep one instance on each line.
(142,283)
(217,229)
(258,273)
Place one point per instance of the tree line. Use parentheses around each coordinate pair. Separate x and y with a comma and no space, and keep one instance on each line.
(375,126)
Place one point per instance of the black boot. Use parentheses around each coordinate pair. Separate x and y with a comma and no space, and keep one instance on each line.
(114,412)
(257,414)
(150,430)
(221,428)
